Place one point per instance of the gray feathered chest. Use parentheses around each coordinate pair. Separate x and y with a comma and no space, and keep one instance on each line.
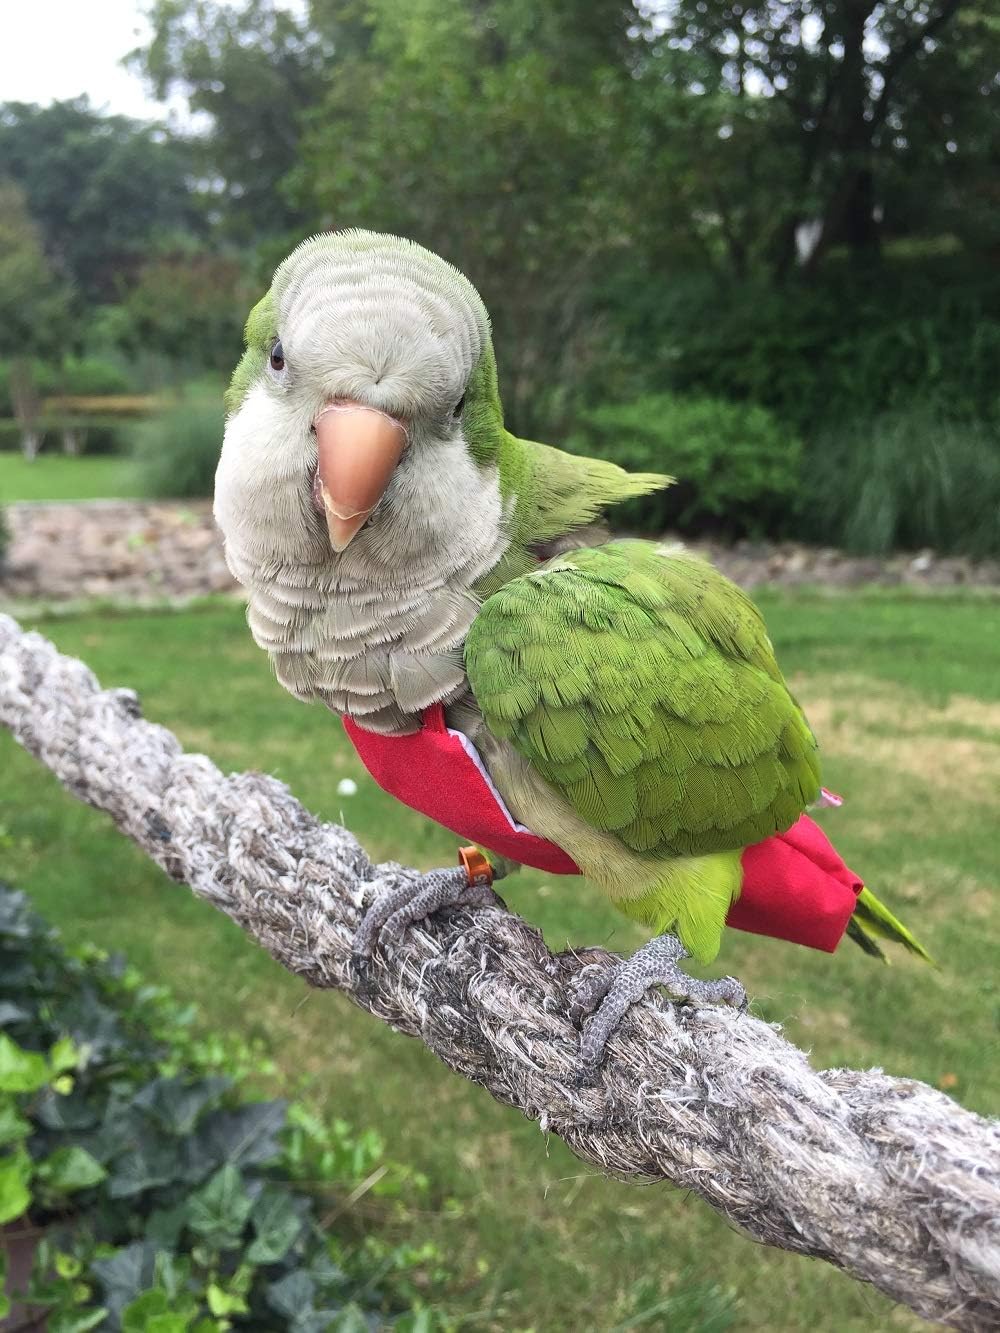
(377,632)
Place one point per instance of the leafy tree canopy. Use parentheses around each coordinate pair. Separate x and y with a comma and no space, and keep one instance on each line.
(103,190)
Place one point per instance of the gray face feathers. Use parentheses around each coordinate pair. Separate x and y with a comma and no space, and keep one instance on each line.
(379,325)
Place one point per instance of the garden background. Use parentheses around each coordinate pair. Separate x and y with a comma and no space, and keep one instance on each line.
(755,245)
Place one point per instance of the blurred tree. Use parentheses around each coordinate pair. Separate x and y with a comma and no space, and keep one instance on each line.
(103,190)
(34,309)
(494,131)
(190,307)
(252,71)
(823,107)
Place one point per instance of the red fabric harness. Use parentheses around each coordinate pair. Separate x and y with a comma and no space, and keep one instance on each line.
(795,886)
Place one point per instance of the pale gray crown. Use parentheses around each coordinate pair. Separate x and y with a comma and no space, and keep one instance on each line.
(380,319)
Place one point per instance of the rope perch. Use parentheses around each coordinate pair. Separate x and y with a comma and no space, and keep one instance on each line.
(885,1178)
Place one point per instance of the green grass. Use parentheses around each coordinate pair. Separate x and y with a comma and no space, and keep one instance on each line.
(906,695)
(57,477)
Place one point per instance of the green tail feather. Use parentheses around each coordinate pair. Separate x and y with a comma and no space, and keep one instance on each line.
(872,921)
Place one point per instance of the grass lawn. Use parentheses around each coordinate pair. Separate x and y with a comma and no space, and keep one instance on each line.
(57,477)
(905,694)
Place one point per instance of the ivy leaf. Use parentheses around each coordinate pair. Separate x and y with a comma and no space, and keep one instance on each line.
(17,921)
(70,1169)
(12,1013)
(65,1055)
(219,1210)
(176,1105)
(75,1321)
(165,1225)
(71,1112)
(277,1223)
(13,1126)
(245,1137)
(145,1165)
(125,1274)
(21,1071)
(15,1172)
(222,1302)
(292,1295)
(350,1319)
(152,1312)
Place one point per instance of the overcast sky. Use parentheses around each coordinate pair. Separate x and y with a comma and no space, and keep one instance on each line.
(54,49)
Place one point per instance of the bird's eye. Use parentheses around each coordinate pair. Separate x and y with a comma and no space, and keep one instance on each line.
(277,356)
(457,409)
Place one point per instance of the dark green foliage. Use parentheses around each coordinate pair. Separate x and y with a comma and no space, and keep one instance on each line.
(905,480)
(189,307)
(34,301)
(631,196)
(177,451)
(736,466)
(76,376)
(168,1202)
(102,189)
(917,330)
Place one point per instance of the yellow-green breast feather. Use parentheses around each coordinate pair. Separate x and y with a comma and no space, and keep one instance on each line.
(642,685)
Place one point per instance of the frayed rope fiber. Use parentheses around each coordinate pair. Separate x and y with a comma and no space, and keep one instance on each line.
(886,1178)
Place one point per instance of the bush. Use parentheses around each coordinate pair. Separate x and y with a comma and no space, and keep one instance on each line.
(165,1201)
(905,480)
(849,341)
(77,376)
(737,468)
(177,451)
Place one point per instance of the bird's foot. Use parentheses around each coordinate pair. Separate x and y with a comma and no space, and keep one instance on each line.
(395,909)
(601,1001)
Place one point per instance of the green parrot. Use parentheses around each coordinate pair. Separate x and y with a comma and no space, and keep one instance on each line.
(400,549)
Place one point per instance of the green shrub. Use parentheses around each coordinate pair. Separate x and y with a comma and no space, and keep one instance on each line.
(736,466)
(165,1200)
(78,376)
(178,450)
(902,481)
(845,343)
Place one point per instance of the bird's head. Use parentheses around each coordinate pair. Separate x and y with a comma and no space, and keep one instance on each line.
(367,383)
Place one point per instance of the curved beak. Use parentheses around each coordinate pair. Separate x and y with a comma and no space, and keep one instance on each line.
(358,448)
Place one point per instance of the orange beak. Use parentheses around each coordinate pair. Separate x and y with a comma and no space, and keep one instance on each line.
(358,448)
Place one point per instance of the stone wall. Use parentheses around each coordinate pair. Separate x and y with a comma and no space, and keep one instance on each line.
(125,550)
(151,550)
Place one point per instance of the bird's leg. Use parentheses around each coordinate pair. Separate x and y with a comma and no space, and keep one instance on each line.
(467,885)
(607,996)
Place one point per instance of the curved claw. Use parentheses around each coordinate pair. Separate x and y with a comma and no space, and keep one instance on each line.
(403,905)
(608,996)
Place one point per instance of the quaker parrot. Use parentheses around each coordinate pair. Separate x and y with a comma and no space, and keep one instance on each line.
(402,551)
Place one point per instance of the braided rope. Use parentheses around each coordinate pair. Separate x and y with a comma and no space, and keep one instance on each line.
(886,1178)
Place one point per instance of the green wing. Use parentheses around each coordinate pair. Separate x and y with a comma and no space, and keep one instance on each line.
(642,685)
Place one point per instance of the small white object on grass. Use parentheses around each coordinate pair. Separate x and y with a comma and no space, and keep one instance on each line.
(347,787)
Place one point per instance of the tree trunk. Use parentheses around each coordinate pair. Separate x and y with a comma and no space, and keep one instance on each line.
(31,443)
(849,215)
(72,441)
(27,406)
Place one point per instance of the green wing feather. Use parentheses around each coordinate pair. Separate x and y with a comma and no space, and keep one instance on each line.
(642,685)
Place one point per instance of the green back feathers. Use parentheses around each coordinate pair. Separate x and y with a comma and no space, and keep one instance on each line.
(642,685)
